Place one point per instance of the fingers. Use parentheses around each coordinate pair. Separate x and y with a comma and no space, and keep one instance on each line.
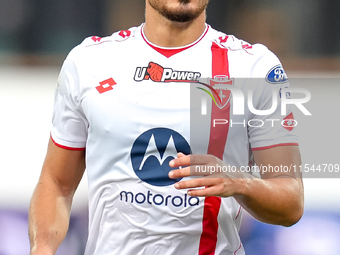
(196,183)
(180,155)
(180,173)
(182,160)
(196,159)
(219,184)
(198,165)
(205,192)
(193,159)
(211,187)
(190,171)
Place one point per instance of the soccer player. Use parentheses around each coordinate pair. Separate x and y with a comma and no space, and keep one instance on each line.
(122,109)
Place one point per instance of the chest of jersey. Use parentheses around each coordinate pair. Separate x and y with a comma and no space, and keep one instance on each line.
(123,100)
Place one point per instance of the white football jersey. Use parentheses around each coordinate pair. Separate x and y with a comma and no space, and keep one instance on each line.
(129,103)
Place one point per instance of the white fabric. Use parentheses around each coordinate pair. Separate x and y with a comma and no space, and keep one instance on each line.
(128,215)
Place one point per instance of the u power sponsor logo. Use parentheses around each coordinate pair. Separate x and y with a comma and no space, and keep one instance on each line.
(157,73)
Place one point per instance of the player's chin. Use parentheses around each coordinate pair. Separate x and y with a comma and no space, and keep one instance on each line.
(181,17)
(183,14)
(186,11)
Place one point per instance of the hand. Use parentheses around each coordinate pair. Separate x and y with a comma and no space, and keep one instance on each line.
(215,178)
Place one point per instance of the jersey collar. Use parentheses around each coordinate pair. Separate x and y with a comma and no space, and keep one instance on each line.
(167,51)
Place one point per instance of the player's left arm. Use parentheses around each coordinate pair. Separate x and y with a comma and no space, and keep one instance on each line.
(276,198)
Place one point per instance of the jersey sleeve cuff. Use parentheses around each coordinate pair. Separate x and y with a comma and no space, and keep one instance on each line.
(66,144)
(273,146)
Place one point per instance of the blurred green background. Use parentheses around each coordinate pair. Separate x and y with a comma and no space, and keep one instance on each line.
(305,34)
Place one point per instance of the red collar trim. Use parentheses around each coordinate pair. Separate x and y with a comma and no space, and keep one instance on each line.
(168,52)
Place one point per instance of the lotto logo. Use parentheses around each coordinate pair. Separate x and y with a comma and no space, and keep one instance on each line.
(96,38)
(106,85)
(289,122)
(157,73)
(125,33)
(223,39)
(247,46)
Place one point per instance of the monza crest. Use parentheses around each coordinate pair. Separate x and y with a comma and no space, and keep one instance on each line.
(219,87)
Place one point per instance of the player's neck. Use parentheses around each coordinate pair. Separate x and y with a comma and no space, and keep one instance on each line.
(165,33)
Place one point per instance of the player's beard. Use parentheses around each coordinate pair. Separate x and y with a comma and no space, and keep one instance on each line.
(183,13)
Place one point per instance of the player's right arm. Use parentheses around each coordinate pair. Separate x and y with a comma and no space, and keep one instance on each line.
(50,206)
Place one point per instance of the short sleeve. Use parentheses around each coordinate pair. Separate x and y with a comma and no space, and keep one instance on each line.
(69,124)
(274,129)
(270,129)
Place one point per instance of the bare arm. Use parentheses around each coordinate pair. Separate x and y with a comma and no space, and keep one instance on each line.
(51,202)
(277,198)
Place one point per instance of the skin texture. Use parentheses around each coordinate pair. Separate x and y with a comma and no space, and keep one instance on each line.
(167,33)
(179,11)
(261,197)
(50,207)
(63,169)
